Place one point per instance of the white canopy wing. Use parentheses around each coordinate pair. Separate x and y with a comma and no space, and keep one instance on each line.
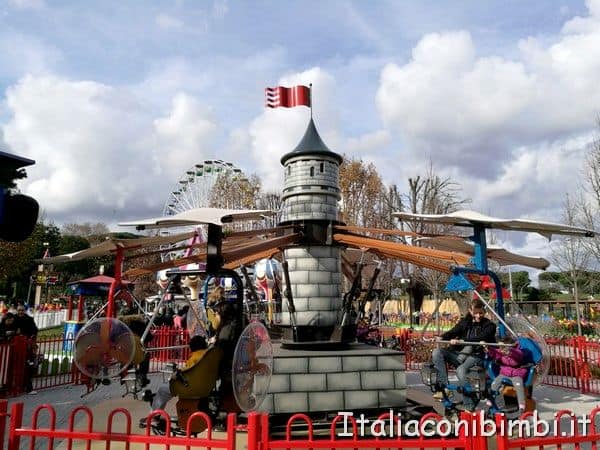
(200,216)
(498,254)
(470,218)
(110,245)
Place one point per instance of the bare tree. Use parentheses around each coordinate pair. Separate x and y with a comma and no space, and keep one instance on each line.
(569,254)
(430,194)
(272,201)
(362,190)
(95,233)
(588,200)
(233,191)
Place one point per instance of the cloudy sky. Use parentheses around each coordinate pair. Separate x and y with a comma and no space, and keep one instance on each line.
(115,100)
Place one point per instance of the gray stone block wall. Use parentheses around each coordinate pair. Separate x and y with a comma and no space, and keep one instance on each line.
(309,196)
(312,207)
(358,378)
(315,279)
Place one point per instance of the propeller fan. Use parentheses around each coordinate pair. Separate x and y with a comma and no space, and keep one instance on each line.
(252,366)
(103,348)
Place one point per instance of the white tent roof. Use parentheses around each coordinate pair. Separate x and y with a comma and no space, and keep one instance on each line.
(199,216)
(498,254)
(470,218)
(110,245)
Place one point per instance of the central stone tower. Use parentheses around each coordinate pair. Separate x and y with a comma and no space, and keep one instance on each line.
(310,200)
(318,368)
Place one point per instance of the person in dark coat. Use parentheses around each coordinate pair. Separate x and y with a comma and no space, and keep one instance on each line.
(8,328)
(474,327)
(26,327)
(137,324)
(25,323)
(227,328)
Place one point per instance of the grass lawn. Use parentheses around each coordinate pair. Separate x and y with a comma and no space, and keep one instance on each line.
(49,333)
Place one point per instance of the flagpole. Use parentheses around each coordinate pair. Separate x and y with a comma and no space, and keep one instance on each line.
(310,99)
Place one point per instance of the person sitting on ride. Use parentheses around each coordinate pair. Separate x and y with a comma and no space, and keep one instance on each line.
(227,328)
(137,324)
(473,327)
(510,359)
(198,347)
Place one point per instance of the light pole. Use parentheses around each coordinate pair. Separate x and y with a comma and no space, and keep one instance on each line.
(405,282)
(523,287)
(510,285)
(38,288)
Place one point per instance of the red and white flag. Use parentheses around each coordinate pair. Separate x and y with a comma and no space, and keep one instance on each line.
(287,97)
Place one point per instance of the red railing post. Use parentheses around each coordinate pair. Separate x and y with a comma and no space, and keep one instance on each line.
(583,368)
(231,431)
(501,433)
(475,437)
(264,432)
(18,361)
(16,421)
(3,415)
(253,431)
(70,307)
(80,302)
(573,348)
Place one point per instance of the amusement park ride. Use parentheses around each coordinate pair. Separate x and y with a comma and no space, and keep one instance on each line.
(317,366)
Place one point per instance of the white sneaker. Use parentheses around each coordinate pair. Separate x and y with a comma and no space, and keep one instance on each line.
(33,392)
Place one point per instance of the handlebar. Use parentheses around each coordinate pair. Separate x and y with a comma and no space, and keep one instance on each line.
(462,342)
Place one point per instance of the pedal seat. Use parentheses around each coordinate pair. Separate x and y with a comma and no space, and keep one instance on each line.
(509,391)
(200,379)
(185,408)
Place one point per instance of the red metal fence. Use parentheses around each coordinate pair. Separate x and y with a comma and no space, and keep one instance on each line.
(574,361)
(49,362)
(118,429)
(469,432)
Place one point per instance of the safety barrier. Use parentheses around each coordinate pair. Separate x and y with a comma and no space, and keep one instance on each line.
(49,319)
(164,338)
(49,362)
(21,436)
(575,433)
(13,365)
(574,361)
(344,432)
(389,430)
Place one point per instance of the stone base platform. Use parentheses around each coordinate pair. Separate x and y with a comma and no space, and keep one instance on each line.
(359,377)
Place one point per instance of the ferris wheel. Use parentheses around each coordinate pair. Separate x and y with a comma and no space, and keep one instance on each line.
(212,183)
(195,188)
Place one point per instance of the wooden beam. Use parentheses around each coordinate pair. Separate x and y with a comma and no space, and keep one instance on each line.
(381,245)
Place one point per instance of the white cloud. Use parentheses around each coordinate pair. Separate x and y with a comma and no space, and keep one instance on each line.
(587,24)
(467,110)
(184,133)
(27,4)
(99,154)
(368,143)
(167,22)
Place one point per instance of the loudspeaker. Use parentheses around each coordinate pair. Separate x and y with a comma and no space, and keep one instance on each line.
(214,258)
(19,214)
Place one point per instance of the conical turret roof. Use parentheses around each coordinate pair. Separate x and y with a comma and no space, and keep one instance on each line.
(311,144)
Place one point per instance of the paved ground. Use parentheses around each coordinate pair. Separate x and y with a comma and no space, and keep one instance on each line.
(106,398)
